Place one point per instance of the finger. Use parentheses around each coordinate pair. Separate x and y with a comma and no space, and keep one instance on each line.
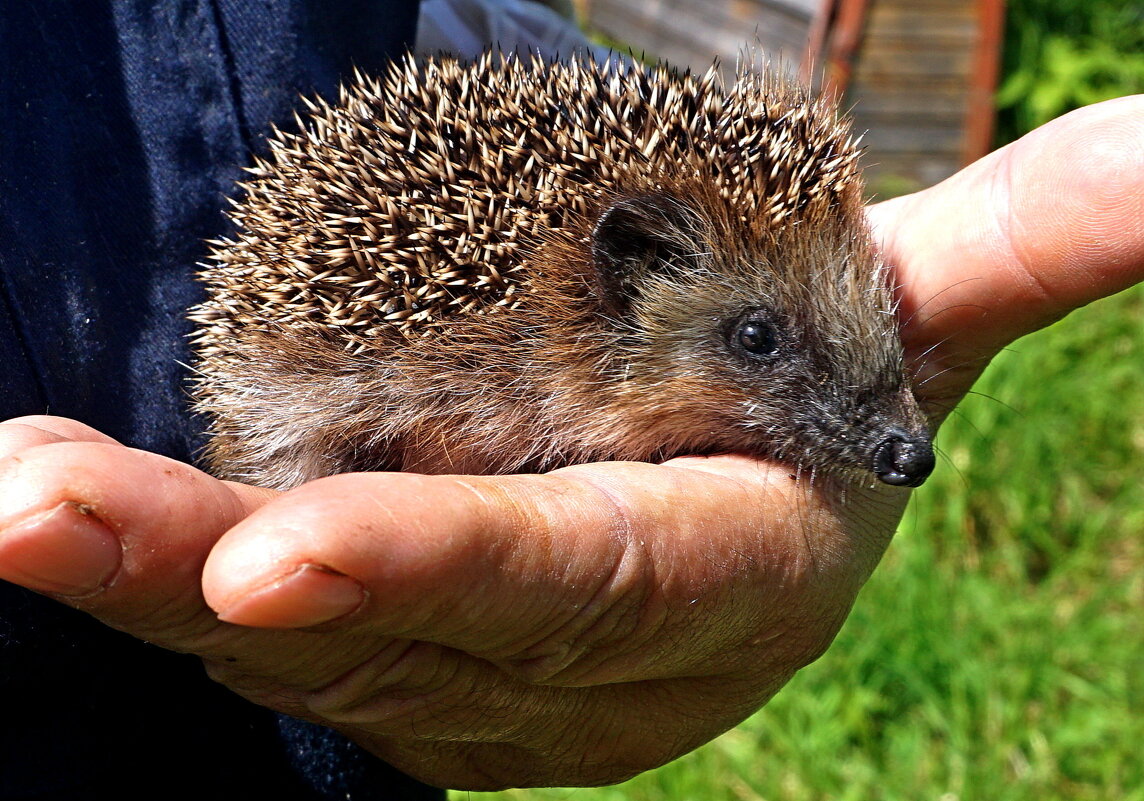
(123,534)
(1022,237)
(118,532)
(161,515)
(27,432)
(577,576)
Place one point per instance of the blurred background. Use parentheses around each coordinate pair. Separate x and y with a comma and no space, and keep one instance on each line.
(934,84)
(998,651)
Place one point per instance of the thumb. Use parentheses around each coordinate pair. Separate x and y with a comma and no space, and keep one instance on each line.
(1017,240)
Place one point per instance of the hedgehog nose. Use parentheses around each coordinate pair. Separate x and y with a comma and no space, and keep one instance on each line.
(904,460)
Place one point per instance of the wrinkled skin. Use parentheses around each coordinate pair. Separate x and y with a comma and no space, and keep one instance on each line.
(585,625)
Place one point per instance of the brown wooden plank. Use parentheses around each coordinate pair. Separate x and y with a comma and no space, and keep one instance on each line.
(928,6)
(904,64)
(914,139)
(922,84)
(884,13)
(906,29)
(904,104)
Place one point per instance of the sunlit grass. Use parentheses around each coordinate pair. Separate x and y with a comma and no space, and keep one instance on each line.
(998,652)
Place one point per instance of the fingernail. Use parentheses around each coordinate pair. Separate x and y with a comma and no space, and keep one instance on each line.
(64,551)
(310,595)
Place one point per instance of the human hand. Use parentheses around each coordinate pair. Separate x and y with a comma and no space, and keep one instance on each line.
(1016,241)
(577,627)
(569,628)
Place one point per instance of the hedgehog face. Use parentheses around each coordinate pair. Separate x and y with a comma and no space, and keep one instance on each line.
(729,333)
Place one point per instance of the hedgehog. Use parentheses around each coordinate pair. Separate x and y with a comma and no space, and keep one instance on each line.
(509,265)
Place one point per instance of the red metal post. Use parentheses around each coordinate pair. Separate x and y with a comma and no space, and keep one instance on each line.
(980,113)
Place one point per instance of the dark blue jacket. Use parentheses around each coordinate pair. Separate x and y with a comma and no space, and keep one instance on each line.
(124,125)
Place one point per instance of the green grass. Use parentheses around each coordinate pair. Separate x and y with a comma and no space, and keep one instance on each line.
(998,652)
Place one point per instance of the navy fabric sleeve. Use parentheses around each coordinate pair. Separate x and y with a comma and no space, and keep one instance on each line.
(125,125)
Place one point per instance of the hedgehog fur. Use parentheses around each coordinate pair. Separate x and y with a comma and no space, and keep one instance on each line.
(510,265)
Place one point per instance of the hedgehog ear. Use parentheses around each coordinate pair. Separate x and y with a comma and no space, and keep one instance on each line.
(636,237)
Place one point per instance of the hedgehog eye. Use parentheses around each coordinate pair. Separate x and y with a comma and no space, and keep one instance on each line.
(756,336)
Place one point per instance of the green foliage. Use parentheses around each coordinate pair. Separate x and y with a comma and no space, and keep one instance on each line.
(1063,54)
(998,652)
(1055,457)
